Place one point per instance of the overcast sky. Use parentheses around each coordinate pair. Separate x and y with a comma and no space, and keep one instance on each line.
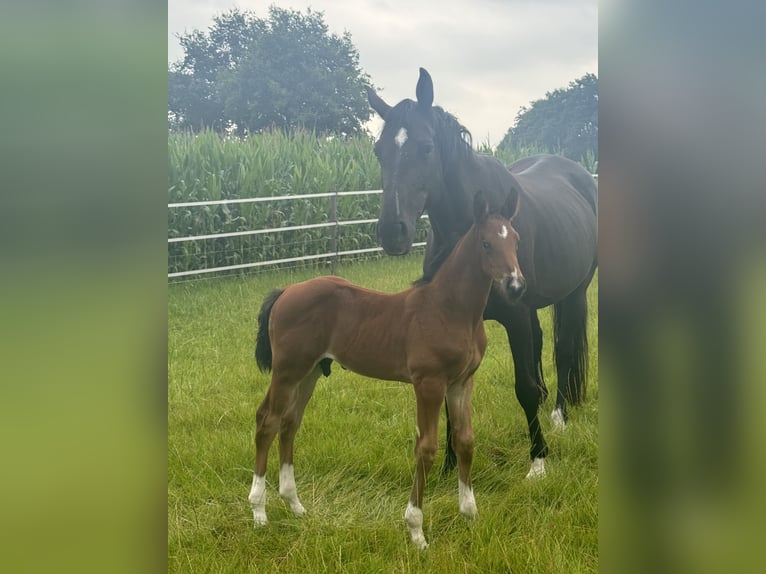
(487,58)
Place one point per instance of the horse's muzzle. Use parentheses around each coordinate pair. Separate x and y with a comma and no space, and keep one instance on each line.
(394,237)
(514,286)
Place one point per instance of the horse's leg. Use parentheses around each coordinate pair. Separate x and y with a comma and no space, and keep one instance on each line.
(570,351)
(291,422)
(517,323)
(450,459)
(537,342)
(459,401)
(430,396)
(268,420)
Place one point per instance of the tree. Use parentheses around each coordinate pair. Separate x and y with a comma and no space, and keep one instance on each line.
(249,74)
(564,122)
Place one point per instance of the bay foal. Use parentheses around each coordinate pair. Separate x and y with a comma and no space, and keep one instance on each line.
(431,335)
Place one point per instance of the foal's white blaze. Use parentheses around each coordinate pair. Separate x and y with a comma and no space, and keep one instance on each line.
(515,283)
(413,517)
(287,489)
(558,419)
(503,233)
(401,137)
(466,500)
(257,499)
(537,469)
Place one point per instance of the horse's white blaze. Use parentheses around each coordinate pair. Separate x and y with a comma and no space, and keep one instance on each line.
(413,517)
(466,500)
(288,490)
(537,469)
(558,419)
(257,499)
(401,137)
(515,282)
(503,233)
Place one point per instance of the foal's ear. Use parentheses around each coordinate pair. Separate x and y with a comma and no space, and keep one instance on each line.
(424,91)
(511,205)
(377,103)
(480,207)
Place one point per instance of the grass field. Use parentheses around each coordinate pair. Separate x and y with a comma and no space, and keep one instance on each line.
(354,456)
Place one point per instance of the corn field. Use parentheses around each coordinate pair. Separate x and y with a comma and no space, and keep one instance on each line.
(208,166)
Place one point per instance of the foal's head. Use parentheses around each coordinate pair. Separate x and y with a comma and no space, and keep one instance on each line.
(499,242)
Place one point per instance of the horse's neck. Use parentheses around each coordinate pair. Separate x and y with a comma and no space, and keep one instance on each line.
(462,280)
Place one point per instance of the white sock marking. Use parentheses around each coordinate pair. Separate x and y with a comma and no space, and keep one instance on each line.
(537,469)
(413,517)
(401,137)
(288,490)
(558,419)
(257,499)
(503,233)
(466,500)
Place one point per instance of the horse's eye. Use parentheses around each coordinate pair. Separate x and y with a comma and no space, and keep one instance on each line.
(426,148)
(486,245)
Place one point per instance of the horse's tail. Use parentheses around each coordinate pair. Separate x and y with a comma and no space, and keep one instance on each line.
(570,334)
(262,340)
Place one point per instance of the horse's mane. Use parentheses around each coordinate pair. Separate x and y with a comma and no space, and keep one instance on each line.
(455,145)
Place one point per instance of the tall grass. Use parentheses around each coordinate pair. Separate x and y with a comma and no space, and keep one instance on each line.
(354,456)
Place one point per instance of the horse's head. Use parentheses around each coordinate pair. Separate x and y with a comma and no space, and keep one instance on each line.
(410,156)
(498,242)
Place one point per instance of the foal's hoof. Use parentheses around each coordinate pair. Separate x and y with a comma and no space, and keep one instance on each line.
(537,470)
(469,510)
(297,509)
(259,518)
(420,542)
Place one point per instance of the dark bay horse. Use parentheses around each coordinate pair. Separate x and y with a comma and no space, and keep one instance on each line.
(431,335)
(427,164)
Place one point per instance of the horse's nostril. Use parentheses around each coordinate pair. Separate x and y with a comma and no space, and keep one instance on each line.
(402,228)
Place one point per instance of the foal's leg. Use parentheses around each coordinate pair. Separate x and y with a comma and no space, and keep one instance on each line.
(430,395)
(291,422)
(459,401)
(268,420)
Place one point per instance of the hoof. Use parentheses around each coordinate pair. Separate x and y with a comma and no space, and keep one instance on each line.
(297,509)
(259,518)
(537,470)
(559,423)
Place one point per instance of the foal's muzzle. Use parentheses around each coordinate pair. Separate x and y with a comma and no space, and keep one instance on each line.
(513,286)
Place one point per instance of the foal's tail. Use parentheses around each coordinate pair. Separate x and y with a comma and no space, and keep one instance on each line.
(262,341)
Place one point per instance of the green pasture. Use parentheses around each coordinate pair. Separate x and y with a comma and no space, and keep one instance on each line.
(354,455)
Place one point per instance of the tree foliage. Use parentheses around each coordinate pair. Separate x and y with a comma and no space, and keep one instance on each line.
(564,122)
(250,74)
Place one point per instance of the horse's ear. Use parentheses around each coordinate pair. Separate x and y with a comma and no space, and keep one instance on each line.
(480,207)
(424,91)
(511,205)
(377,103)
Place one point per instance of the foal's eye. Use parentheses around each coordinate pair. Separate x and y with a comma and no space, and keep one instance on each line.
(485,245)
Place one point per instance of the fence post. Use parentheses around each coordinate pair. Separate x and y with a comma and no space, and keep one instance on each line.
(334,236)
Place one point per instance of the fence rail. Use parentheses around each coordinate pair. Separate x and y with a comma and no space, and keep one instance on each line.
(334,223)
(332,256)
